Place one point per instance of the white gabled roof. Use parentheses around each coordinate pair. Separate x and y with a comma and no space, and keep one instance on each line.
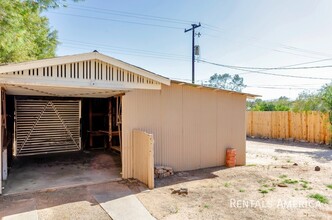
(83,57)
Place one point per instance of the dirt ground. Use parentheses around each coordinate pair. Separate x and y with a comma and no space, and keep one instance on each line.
(252,191)
(244,192)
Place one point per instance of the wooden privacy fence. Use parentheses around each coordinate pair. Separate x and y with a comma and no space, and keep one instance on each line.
(308,126)
(143,161)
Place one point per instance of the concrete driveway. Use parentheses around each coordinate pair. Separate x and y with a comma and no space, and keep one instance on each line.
(112,200)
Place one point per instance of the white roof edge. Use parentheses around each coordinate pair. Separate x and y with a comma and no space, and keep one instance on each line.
(81,57)
(248,95)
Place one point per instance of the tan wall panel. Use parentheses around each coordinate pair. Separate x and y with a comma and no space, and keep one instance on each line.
(208,128)
(172,127)
(231,129)
(140,110)
(192,127)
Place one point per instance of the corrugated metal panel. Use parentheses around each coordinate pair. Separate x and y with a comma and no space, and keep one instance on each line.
(192,127)
(172,136)
(46,126)
(231,126)
(208,128)
(140,110)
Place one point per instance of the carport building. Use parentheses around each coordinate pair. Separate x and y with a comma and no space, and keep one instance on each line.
(90,100)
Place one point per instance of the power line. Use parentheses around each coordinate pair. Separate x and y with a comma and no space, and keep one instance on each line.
(278,88)
(116,20)
(172,20)
(130,14)
(274,68)
(264,73)
(298,64)
(116,48)
(262,47)
(267,86)
(284,46)
(130,54)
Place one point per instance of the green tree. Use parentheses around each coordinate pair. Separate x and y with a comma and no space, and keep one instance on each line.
(308,101)
(45,4)
(226,81)
(281,104)
(326,94)
(24,33)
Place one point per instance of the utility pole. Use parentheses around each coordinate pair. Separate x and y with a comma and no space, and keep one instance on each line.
(193,27)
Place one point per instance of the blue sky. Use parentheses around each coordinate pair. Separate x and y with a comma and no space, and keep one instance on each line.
(255,33)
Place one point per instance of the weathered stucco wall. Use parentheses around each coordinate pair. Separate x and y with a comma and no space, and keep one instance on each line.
(192,127)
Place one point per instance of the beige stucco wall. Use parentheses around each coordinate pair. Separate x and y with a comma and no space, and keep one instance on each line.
(192,127)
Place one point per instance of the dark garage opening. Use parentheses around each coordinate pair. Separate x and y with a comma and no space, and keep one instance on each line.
(96,161)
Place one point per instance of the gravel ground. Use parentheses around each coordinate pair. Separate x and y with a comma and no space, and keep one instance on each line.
(252,191)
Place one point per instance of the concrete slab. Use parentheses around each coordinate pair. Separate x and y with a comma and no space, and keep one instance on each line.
(19,209)
(119,202)
(57,171)
(31,215)
(126,208)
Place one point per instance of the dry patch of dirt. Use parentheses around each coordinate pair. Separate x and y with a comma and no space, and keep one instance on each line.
(276,184)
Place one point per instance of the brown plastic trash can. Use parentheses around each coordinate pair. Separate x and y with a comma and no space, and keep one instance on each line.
(230,157)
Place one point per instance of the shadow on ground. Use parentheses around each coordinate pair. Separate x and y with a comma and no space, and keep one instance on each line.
(323,156)
(291,143)
(187,176)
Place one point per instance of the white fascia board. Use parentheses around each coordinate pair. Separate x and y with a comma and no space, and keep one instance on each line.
(45,62)
(78,83)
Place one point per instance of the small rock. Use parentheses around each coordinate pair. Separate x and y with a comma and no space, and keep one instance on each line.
(181,191)
(317,168)
(285,167)
(175,191)
(132,180)
(295,164)
(282,185)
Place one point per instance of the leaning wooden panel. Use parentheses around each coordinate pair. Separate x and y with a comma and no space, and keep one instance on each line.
(143,163)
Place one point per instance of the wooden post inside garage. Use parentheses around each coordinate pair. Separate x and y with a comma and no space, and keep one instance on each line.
(2,132)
